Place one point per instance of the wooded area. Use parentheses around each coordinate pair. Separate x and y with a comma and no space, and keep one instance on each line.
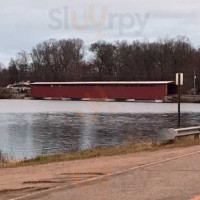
(65,60)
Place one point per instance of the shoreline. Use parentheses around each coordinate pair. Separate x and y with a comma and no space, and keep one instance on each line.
(168,99)
(127,148)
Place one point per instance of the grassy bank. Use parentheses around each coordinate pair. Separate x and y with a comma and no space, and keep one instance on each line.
(129,147)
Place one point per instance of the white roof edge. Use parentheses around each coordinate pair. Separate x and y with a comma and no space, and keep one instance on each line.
(104,83)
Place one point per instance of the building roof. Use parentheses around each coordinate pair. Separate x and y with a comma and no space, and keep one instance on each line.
(106,83)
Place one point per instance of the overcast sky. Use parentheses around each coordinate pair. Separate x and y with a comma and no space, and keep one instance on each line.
(24,23)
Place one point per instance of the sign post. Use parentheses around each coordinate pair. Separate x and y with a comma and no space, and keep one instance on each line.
(195,82)
(179,82)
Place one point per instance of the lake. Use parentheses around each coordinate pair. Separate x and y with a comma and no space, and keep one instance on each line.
(33,127)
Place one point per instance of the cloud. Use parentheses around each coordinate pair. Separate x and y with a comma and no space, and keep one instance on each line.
(25,23)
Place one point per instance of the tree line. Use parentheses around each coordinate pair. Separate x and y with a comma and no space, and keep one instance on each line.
(67,60)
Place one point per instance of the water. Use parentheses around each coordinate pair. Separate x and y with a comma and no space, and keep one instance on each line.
(29,128)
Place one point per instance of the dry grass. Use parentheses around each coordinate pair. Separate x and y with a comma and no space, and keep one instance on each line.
(4,158)
(129,147)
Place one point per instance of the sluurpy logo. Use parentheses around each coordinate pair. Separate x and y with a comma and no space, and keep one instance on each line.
(98,19)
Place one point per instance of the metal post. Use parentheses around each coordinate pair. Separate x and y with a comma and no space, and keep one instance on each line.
(194,82)
(179,100)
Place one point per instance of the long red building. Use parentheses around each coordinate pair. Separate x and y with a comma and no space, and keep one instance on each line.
(103,90)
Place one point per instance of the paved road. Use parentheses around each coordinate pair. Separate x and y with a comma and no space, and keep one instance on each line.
(176,179)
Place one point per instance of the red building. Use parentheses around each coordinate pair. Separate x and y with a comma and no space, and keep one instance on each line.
(103,90)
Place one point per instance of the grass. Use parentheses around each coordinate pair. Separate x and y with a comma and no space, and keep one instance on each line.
(4,158)
(129,147)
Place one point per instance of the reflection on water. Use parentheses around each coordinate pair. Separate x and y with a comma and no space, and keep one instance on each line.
(36,130)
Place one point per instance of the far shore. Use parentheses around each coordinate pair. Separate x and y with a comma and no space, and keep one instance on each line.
(185,98)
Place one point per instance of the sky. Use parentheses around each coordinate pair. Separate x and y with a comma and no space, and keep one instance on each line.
(25,23)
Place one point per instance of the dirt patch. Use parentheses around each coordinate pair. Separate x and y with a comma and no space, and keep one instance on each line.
(15,190)
(38,182)
(13,193)
(74,174)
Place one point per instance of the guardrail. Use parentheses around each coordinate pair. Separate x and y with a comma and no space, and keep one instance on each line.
(172,134)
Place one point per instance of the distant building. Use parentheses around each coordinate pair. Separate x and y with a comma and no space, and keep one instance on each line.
(21,87)
(148,90)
